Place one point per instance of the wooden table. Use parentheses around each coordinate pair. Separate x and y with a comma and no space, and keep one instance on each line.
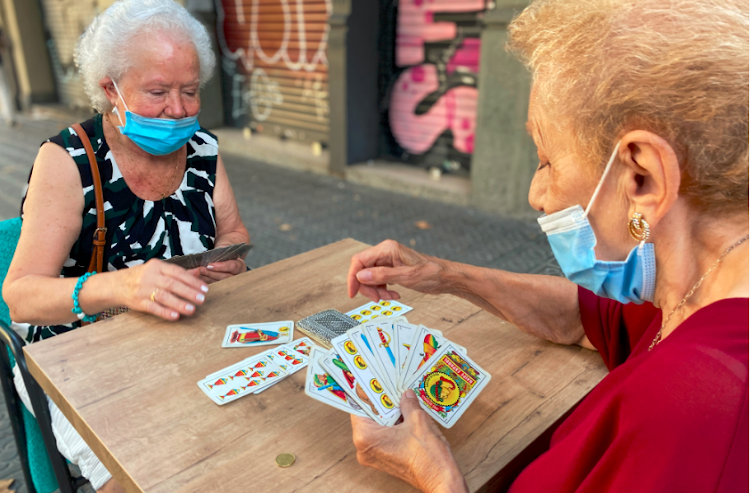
(129,387)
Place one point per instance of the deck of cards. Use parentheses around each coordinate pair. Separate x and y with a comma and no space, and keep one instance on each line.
(195,260)
(255,374)
(373,364)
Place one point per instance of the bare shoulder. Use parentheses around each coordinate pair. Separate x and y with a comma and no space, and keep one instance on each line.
(54,180)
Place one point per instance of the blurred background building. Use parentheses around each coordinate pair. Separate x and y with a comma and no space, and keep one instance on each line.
(416,96)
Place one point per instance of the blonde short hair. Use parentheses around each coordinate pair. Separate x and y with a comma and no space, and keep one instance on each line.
(678,68)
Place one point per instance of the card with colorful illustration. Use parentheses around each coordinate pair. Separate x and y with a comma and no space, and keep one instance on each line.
(382,341)
(240,379)
(322,387)
(292,353)
(303,345)
(335,366)
(372,385)
(425,343)
(368,346)
(261,334)
(381,309)
(447,384)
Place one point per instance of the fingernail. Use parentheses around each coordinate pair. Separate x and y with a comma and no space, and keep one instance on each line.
(189,307)
(365,275)
(210,267)
(200,297)
(409,394)
(204,288)
(175,314)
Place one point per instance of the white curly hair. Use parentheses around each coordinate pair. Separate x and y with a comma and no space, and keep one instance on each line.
(102,49)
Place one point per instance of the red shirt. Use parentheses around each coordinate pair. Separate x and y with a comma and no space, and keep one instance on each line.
(674,419)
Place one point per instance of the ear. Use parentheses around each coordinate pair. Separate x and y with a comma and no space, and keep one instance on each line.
(109,89)
(652,177)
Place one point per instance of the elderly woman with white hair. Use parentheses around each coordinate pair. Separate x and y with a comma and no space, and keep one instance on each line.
(165,189)
(639,111)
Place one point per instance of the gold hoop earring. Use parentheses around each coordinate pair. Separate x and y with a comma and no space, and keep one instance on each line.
(638,227)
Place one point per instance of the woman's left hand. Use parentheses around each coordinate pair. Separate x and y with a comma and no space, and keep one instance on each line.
(414,450)
(219,270)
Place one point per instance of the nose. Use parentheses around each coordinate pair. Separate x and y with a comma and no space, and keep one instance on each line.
(175,107)
(538,189)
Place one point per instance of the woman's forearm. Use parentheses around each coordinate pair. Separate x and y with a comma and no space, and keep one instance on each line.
(545,306)
(42,300)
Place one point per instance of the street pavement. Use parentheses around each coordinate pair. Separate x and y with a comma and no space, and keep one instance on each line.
(289,212)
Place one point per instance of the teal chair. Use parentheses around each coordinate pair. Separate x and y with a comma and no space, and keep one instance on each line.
(45,469)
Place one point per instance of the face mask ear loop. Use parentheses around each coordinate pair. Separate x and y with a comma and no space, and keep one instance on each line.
(123,102)
(601,181)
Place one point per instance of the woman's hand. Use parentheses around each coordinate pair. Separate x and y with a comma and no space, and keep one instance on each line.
(414,450)
(219,270)
(392,263)
(174,290)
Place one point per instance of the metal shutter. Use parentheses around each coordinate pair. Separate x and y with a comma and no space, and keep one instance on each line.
(273,55)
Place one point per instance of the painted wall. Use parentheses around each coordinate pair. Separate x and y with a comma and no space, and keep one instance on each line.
(433,102)
(273,55)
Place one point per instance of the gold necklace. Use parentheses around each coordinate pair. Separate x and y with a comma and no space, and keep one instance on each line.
(132,161)
(657,339)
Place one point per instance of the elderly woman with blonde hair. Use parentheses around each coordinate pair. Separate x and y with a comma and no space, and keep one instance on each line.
(639,111)
(165,190)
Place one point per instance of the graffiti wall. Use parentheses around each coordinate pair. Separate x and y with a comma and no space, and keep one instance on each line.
(273,55)
(433,100)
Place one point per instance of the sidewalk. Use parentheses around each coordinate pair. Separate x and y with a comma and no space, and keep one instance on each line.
(289,212)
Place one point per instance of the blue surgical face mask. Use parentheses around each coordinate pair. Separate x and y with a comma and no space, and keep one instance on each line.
(157,136)
(572,240)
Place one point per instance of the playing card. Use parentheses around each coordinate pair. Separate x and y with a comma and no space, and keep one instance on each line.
(375,391)
(261,334)
(383,346)
(383,308)
(335,366)
(323,387)
(288,357)
(447,384)
(425,344)
(240,379)
(367,345)
(404,334)
(303,345)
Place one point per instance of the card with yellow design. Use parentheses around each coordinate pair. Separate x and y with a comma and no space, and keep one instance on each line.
(448,383)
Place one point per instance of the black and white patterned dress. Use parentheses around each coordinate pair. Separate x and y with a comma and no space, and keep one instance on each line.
(137,229)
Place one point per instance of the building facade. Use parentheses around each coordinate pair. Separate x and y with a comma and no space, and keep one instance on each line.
(423,84)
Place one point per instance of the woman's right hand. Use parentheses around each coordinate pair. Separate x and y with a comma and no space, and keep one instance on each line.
(390,262)
(162,289)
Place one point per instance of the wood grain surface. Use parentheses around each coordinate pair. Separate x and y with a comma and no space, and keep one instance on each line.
(129,386)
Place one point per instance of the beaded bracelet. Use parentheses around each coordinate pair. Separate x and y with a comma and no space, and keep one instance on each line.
(77,307)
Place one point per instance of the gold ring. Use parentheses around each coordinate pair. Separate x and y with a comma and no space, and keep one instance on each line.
(153,295)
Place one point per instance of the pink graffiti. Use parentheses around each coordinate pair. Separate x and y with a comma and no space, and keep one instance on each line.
(456,110)
(467,55)
(415,26)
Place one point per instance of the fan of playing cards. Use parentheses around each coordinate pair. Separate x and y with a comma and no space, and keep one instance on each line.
(367,369)
(371,365)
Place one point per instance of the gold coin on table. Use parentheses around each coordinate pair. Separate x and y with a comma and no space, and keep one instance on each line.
(285,460)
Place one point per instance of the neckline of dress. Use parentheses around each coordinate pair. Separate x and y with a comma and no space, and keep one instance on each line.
(99,133)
